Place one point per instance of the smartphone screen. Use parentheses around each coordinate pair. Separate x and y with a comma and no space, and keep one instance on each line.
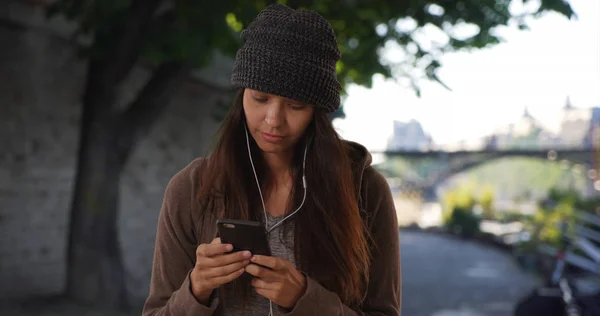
(244,235)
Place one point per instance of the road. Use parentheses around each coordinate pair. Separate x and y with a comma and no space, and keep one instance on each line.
(444,276)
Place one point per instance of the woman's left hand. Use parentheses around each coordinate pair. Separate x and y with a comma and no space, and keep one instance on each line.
(282,283)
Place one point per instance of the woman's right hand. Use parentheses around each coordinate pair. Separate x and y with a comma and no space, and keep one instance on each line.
(215,266)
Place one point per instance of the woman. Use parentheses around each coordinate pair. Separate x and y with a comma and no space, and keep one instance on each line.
(330,216)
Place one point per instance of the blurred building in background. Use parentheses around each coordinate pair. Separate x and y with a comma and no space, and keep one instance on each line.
(409,136)
(578,129)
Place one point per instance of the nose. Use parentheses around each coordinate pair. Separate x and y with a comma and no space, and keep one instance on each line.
(275,115)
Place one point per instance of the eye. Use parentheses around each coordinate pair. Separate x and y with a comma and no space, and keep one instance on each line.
(260,99)
(295,106)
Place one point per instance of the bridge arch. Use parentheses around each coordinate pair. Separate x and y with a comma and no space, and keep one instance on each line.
(447,174)
(461,161)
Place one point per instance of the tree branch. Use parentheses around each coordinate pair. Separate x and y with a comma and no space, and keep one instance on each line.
(125,51)
(197,80)
(139,117)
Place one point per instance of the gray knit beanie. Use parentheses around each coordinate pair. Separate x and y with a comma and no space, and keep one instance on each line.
(290,53)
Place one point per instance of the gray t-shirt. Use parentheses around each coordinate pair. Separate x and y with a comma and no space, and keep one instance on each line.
(282,247)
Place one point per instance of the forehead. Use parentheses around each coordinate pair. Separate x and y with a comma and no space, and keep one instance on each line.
(270,95)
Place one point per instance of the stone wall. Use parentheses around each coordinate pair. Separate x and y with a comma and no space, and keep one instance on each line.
(41,84)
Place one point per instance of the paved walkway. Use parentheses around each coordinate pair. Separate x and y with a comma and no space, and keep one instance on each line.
(442,276)
(445,276)
(55,308)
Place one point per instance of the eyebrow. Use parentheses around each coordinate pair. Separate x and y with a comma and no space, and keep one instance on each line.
(264,94)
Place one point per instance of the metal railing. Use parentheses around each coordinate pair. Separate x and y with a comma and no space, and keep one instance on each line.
(584,237)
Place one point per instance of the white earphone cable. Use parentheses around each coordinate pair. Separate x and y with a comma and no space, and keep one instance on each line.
(263,201)
(260,191)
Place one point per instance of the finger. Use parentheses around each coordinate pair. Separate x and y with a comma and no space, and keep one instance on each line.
(274,263)
(211,250)
(227,278)
(262,284)
(223,260)
(216,241)
(262,272)
(225,270)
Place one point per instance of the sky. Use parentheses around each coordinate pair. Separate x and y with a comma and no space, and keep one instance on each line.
(535,69)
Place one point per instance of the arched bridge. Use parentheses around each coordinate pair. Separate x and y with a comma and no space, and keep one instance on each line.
(430,168)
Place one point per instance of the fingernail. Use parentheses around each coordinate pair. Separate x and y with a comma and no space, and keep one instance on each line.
(229,247)
(246,254)
(253,258)
(241,271)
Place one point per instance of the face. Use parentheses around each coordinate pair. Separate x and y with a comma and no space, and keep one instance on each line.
(276,123)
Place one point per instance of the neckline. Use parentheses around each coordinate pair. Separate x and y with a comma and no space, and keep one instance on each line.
(275,217)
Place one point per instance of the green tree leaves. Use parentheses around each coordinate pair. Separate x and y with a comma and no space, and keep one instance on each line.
(190,31)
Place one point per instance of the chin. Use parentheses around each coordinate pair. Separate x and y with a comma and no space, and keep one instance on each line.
(272,148)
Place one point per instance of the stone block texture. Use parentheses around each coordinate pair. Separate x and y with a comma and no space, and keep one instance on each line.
(41,84)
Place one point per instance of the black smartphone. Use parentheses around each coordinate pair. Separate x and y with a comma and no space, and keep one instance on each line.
(244,235)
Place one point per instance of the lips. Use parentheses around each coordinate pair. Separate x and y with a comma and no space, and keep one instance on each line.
(271,138)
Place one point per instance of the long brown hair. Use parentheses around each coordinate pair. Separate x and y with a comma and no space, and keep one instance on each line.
(330,238)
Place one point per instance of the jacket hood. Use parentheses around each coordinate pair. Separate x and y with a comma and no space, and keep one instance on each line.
(359,155)
(360,160)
